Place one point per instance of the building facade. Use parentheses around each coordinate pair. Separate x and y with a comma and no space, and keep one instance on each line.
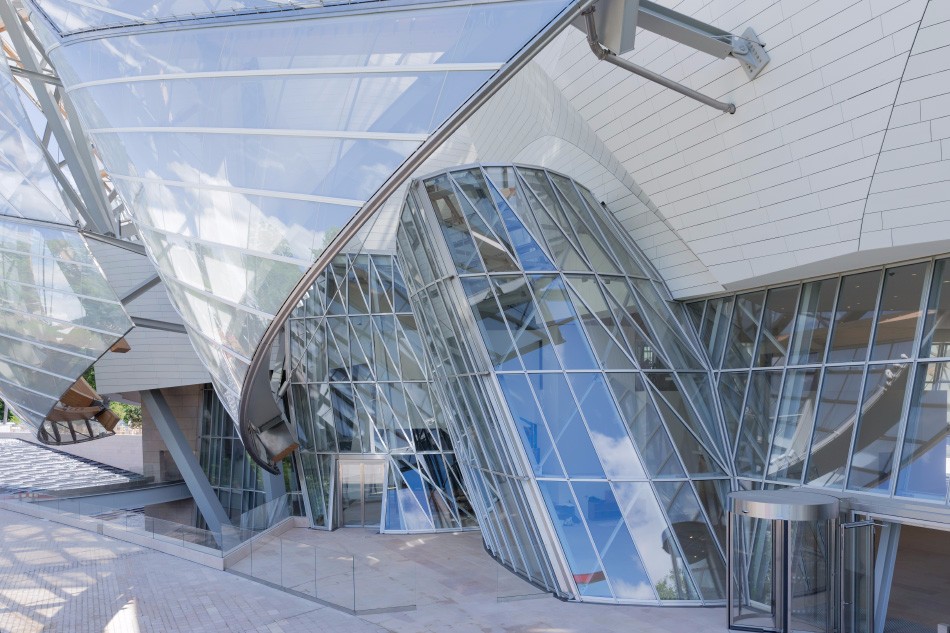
(464,265)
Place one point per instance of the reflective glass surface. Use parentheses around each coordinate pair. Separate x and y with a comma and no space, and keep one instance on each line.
(854,314)
(573,337)
(360,385)
(243,145)
(58,314)
(923,467)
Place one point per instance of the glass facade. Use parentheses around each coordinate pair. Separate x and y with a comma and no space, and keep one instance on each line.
(361,388)
(235,477)
(840,382)
(578,402)
(58,314)
(242,146)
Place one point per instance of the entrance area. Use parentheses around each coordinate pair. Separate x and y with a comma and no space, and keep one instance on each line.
(920,589)
(360,493)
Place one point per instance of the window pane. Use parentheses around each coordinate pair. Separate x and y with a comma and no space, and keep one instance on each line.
(753,444)
(650,530)
(491,323)
(697,542)
(524,322)
(924,471)
(793,426)
(776,326)
(814,322)
(731,393)
(564,327)
(881,409)
(607,430)
(715,327)
(585,567)
(621,560)
(644,425)
(837,410)
(745,321)
(899,312)
(566,426)
(534,434)
(857,302)
(454,229)
(937,326)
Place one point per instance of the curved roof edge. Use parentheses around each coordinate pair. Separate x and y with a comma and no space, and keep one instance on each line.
(266,434)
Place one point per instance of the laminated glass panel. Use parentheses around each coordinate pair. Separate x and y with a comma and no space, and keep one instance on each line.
(661,555)
(562,322)
(491,324)
(752,447)
(567,426)
(610,354)
(776,329)
(607,431)
(732,387)
(924,467)
(567,518)
(834,425)
(526,325)
(742,333)
(695,312)
(794,425)
(936,336)
(815,313)
(899,313)
(644,424)
(854,312)
(697,542)
(872,462)
(625,572)
(494,249)
(534,435)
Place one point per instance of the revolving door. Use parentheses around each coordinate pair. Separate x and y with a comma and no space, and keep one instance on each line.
(783,553)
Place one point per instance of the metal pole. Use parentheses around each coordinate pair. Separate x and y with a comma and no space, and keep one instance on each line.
(605,55)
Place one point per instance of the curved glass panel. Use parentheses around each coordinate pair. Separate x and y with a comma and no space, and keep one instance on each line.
(242,146)
(58,314)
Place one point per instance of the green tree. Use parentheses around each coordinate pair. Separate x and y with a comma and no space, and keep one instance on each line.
(131,413)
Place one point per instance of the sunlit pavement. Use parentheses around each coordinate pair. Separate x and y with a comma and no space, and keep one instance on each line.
(58,578)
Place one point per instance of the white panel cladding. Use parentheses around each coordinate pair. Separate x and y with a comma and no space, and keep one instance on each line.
(158,359)
(529,121)
(910,191)
(787,181)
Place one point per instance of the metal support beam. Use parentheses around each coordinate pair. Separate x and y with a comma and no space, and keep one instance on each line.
(884,572)
(745,48)
(79,158)
(113,241)
(207,501)
(154,324)
(605,55)
(29,74)
(141,289)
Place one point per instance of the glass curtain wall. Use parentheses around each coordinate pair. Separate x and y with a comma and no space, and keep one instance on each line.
(361,386)
(241,145)
(58,314)
(579,406)
(236,478)
(839,383)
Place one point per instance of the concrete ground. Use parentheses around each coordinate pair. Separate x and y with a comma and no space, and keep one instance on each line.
(57,578)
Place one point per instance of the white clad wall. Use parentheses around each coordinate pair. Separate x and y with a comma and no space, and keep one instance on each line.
(795,182)
(158,359)
(909,202)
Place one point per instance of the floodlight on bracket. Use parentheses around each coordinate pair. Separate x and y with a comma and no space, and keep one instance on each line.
(611,32)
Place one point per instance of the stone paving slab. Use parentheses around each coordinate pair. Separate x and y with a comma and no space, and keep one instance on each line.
(55,578)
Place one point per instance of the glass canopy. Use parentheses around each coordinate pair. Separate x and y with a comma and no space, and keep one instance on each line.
(58,314)
(242,147)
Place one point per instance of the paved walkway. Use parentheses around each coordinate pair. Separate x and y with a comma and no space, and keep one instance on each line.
(57,578)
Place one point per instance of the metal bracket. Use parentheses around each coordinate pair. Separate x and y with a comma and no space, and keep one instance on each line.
(607,56)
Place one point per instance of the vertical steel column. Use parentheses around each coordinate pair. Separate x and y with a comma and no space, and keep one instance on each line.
(207,501)
(884,572)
